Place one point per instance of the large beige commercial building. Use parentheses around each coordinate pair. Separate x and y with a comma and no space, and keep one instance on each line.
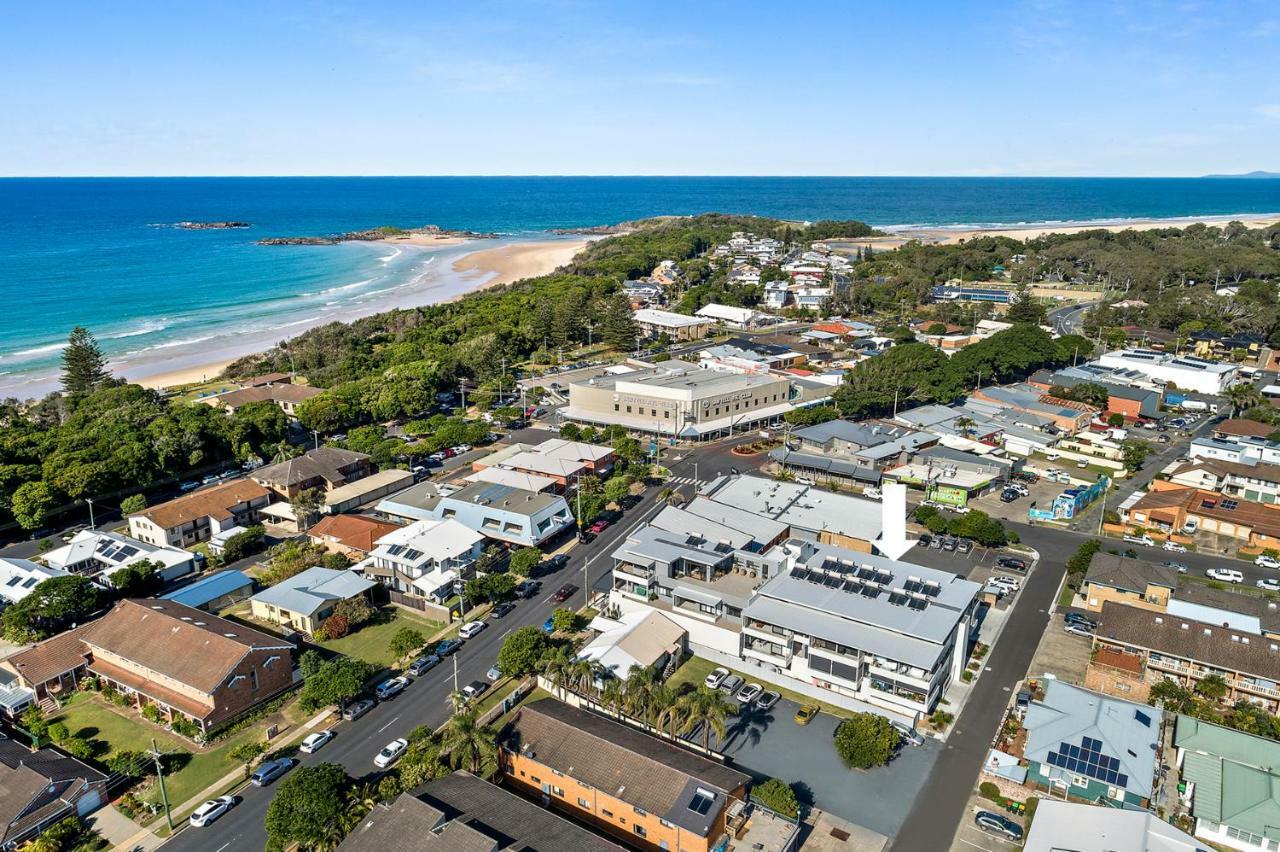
(680,399)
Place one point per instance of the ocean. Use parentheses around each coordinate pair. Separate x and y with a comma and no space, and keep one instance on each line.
(104,253)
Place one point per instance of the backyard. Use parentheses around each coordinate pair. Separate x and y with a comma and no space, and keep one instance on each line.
(112,729)
(372,642)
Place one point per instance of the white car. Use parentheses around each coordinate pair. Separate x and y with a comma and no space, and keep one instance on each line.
(1007,582)
(390,753)
(1226,575)
(391,687)
(314,742)
(1267,562)
(471,628)
(713,680)
(749,693)
(1268,584)
(211,810)
(1174,547)
(1144,540)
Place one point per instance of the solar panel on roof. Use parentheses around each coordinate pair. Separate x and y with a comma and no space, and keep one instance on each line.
(918,603)
(127,551)
(412,554)
(898,598)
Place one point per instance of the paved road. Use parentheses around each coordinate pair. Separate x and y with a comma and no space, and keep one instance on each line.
(425,702)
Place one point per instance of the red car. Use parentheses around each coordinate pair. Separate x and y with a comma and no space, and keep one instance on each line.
(564,593)
(598,527)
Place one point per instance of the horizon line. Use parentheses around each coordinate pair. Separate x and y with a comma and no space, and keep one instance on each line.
(1211,176)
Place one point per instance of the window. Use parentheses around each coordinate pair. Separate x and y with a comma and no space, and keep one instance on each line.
(639,830)
(583,803)
(607,812)
(535,779)
(640,811)
(559,791)
(1079,781)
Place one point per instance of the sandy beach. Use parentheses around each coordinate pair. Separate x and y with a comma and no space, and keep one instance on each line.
(452,278)
(519,260)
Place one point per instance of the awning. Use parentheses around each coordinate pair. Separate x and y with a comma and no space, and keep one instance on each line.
(699,597)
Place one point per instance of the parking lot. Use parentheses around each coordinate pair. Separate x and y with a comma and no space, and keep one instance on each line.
(979,565)
(969,837)
(769,744)
(1064,654)
(1041,493)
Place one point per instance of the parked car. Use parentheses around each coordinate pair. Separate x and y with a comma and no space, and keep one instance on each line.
(1021,489)
(717,676)
(1078,630)
(1008,582)
(936,543)
(767,699)
(964,545)
(806,713)
(1082,620)
(996,824)
(393,686)
(564,593)
(909,735)
(555,563)
(1226,575)
(528,588)
(1144,540)
(1268,584)
(1012,562)
(471,628)
(731,684)
(549,626)
(1265,561)
(422,665)
(1008,496)
(356,709)
(475,689)
(1174,547)
(494,673)
(923,541)
(949,545)
(191,485)
(314,742)
(502,609)
(390,753)
(447,647)
(270,771)
(211,810)
(749,693)
(1177,566)
(598,527)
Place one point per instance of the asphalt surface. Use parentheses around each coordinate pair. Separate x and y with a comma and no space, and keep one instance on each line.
(425,701)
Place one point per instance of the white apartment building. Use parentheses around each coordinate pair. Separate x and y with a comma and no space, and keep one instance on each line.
(425,558)
(1183,371)
(100,552)
(654,323)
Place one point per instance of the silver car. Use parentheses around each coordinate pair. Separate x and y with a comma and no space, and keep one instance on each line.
(731,684)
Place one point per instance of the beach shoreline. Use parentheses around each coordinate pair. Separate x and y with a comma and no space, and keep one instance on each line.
(454,278)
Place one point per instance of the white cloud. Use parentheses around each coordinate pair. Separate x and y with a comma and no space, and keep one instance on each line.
(1270,112)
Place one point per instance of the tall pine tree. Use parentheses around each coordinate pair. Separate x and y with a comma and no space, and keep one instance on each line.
(84,367)
(617,325)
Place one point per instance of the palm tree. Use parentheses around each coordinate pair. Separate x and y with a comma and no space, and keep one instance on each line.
(1243,396)
(614,695)
(965,425)
(581,676)
(471,745)
(424,760)
(458,700)
(640,690)
(556,667)
(671,719)
(1214,687)
(707,708)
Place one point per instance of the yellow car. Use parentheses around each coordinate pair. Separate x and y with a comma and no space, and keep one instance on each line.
(806,713)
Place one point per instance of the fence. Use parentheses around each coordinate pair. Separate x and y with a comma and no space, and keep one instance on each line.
(434,611)
(504,706)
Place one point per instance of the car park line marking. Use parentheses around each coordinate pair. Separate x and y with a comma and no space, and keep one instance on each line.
(223,846)
(389,724)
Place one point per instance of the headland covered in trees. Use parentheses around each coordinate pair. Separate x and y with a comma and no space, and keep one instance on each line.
(105,437)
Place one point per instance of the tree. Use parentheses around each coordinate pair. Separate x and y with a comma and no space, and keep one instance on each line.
(310,662)
(357,610)
(52,606)
(866,740)
(617,325)
(66,835)
(1024,308)
(521,651)
(31,504)
(1174,697)
(243,544)
(616,488)
(471,746)
(34,723)
(133,504)
(247,753)
(1116,420)
(334,683)
(84,367)
(490,587)
(525,561)
(141,579)
(424,760)
(406,641)
(778,796)
(565,620)
(306,808)
(1213,687)
(1135,452)
(305,504)
(706,709)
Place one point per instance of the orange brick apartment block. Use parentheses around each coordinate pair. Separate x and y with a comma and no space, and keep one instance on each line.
(607,775)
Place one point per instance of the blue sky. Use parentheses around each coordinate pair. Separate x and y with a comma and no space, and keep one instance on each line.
(945,88)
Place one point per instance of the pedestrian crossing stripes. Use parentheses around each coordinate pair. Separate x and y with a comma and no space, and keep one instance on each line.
(682,480)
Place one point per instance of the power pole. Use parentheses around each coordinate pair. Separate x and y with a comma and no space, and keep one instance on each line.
(315,436)
(92,525)
(502,380)
(164,794)
(462,386)
(590,326)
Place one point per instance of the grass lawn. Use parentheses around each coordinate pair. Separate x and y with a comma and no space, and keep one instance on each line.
(1066,596)
(89,716)
(695,670)
(372,642)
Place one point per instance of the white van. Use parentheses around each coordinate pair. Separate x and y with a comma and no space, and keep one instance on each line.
(1144,540)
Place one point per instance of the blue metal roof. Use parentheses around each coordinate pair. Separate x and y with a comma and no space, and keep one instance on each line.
(211,588)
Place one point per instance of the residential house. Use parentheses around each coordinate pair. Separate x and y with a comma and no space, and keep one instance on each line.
(43,787)
(498,512)
(731,316)
(1243,450)
(287,396)
(645,791)
(1231,784)
(375,486)
(19,577)
(1168,509)
(1136,582)
(462,813)
(1164,646)
(1248,480)
(643,293)
(194,517)
(100,553)
(305,600)
(187,663)
(323,469)
(1062,825)
(635,640)
(956,293)
(654,323)
(1091,746)
(1239,427)
(215,592)
(425,560)
(351,535)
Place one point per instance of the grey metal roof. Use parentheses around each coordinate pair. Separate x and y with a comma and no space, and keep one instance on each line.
(763,530)
(825,464)
(1068,713)
(799,506)
(313,589)
(677,520)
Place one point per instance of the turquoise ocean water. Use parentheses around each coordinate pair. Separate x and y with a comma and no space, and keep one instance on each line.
(103,253)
